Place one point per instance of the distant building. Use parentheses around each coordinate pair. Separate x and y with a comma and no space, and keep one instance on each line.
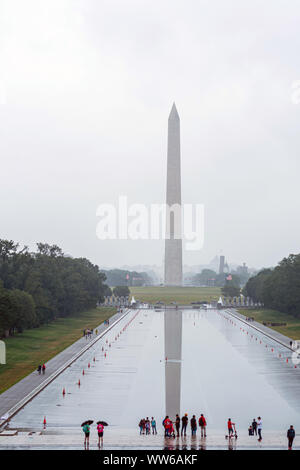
(242,269)
(222,264)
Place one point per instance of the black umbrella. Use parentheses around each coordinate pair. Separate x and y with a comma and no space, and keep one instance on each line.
(87,422)
(104,423)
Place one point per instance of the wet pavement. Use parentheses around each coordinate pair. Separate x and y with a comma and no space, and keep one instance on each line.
(217,365)
(10,398)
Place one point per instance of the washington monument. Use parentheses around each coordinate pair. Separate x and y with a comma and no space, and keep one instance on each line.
(173,243)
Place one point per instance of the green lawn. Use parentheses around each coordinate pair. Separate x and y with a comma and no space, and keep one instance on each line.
(292,328)
(28,349)
(182,295)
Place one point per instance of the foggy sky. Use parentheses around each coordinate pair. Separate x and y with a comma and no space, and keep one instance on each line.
(86,87)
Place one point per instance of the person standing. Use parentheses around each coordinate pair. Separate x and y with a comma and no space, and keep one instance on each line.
(184,421)
(100,429)
(230,427)
(164,425)
(259,428)
(141,426)
(147,425)
(177,424)
(44,368)
(153,426)
(168,426)
(39,369)
(254,427)
(202,424)
(194,425)
(144,425)
(291,435)
(86,430)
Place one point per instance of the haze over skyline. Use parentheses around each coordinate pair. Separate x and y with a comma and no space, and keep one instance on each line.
(85,93)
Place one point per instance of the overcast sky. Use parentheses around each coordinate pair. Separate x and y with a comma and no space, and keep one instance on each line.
(86,87)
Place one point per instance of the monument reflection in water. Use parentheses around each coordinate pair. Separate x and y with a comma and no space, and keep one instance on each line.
(173,341)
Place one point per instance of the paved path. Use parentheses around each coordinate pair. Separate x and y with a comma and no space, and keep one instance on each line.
(285,340)
(21,389)
(128,439)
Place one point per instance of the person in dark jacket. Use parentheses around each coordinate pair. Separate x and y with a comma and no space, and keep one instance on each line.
(142,426)
(193,425)
(254,427)
(177,424)
(291,435)
(184,421)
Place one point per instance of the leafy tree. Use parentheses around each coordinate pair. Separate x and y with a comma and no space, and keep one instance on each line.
(230,290)
(278,288)
(24,310)
(7,313)
(107,291)
(39,287)
(204,277)
(255,285)
(121,291)
(120,277)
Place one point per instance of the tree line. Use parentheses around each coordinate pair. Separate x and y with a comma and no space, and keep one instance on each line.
(278,288)
(121,277)
(38,287)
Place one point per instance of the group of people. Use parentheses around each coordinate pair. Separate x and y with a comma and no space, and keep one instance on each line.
(89,332)
(41,369)
(146,426)
(179,427)
(171,427)
(256,428)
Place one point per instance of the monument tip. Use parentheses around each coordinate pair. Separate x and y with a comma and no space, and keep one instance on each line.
(174,112)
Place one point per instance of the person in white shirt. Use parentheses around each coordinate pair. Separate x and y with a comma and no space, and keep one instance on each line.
(259,428)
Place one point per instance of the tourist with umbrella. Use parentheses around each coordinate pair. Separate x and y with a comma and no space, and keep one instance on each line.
(100,429)
(86,429)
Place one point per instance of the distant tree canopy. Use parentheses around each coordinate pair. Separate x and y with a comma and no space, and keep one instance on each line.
(121,291)
(36,288)
(230,290)
(204,277)
(278,288)
(255,285)
(121,277)
(208,277)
